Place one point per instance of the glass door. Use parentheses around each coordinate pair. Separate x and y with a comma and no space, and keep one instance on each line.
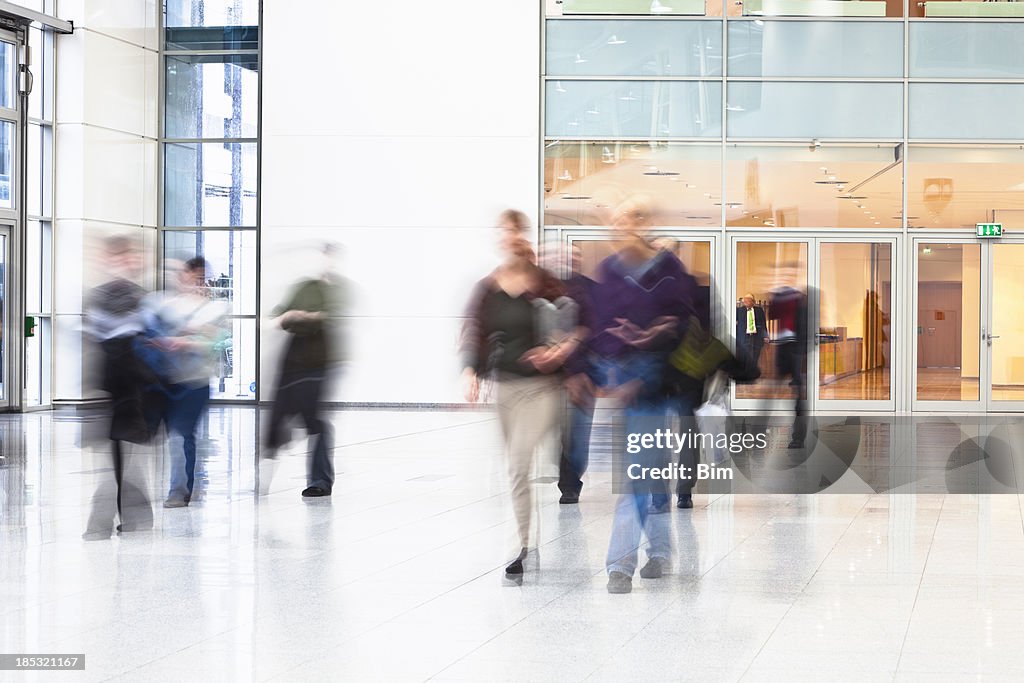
(949,294)
(816,315)
(854,333)
(1002,337)
(770,303)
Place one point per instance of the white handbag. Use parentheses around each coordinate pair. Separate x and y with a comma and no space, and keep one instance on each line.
(712,418)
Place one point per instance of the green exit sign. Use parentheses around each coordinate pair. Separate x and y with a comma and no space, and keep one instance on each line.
(990,229)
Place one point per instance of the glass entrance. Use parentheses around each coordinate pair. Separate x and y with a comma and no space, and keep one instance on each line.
(816,314)
(969,354)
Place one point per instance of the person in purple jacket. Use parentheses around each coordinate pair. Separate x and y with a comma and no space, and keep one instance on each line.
(641,302)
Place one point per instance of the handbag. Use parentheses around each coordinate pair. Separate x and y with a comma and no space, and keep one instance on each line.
(712,417)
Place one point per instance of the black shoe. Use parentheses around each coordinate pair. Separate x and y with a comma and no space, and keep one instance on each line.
(654,569)
(516,568)
(620,583)
(315,492)
(569,498)
(685,501)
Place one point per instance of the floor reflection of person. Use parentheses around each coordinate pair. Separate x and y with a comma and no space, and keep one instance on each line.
(641,303)
(751,329)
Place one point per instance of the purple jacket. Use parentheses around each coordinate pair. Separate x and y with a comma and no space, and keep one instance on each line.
(659,288)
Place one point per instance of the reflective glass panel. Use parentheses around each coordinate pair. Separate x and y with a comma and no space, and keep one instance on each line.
(633,48)
(210,184)
(211,96)
(633,109)
(948,321)
(231,255)
(585,181)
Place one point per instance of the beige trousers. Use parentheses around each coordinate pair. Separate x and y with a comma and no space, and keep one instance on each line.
(528,411)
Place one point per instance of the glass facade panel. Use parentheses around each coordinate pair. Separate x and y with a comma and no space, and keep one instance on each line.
(231,255)
(235,371)
(948,321)
(966,50)
(613,109)
(584,181)
(633,48)
(654,7)
(211,13)
(7,168)
(855,309)
(810,110)
(210,184)
(955,187)
(970,111)
(8,75)
(823,8)
(787,186)
(817,49)
(211,96)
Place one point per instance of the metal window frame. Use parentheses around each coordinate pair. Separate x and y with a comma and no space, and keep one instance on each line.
(163,141)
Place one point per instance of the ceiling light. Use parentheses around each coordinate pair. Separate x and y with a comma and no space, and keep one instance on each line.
(614,40)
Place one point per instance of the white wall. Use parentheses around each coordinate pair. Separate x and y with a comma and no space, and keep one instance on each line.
(399,134)
(106,155)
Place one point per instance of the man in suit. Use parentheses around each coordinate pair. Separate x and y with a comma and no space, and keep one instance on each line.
(751,329)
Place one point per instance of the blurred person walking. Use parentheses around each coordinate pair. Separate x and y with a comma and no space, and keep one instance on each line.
(509,313)
(641,303)
(113,319)
(183,330)
(579,420)
(308,315)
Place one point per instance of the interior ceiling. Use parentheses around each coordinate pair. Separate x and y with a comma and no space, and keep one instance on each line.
(785,186)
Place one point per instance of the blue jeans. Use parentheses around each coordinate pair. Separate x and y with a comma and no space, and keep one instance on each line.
(184,409)
(648,412)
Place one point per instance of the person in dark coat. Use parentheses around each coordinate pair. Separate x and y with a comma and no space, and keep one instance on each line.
(751,329)
(113,319)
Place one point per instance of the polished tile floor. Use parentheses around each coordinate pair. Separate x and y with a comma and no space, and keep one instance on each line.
(399,575)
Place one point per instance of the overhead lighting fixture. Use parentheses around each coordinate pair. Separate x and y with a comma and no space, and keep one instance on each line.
(614,40)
